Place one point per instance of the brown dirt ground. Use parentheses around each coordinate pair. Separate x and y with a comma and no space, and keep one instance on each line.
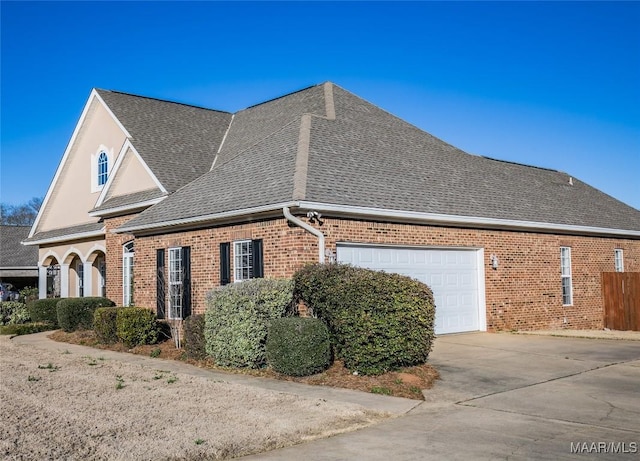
(407,382)
(66,406)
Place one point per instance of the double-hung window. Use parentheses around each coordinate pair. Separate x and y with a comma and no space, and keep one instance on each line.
(242,261)
(618,260)
(247,261)
(565,267)
(173,285)
(127,274)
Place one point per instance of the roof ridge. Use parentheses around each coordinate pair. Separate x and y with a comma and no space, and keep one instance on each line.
(519,164)
(279,97)
(300,172)
(164,100)
(252,145)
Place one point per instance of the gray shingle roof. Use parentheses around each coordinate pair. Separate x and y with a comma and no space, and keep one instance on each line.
(70,232)
(130,199)
(12,252)
(367,157)
(177,141)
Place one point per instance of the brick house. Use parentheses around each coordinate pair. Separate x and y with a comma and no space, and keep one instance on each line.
(156,203)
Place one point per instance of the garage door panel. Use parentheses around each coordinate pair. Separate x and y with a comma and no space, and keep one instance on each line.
(451,274)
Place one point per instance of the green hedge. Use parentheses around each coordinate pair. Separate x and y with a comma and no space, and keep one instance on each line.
(136,326)
(378,321)
(13,312)
(44,310)
(104,324)
(237,317)
(77,313)
(298,346)
(25,328)
(194,341)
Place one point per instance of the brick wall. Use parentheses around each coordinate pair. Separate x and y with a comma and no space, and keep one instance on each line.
(523,293)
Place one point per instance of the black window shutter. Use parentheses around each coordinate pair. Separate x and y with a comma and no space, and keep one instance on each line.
(186,282)
(258,266)
(160,284)
(225,263)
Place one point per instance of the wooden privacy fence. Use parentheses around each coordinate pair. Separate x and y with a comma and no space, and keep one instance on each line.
(621,295)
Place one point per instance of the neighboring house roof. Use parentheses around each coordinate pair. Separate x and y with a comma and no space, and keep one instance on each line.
(14,255)
(325,146)
(66,233)
(177,141)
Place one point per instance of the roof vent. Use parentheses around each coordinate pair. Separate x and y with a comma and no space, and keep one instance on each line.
(570,181)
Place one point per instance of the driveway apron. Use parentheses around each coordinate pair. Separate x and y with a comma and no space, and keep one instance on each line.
(504,396)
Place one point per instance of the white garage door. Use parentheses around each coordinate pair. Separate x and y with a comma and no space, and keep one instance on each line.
(451,274)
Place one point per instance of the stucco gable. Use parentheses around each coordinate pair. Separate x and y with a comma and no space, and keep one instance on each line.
(73,191)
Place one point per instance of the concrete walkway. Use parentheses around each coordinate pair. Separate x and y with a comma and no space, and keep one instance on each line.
(592,334)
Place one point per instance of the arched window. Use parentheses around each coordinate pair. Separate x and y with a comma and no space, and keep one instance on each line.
(103,168)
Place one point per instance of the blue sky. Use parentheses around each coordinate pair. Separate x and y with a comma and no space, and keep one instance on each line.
(554,84)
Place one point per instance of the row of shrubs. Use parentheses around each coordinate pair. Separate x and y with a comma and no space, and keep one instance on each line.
(374,321)
(131,325)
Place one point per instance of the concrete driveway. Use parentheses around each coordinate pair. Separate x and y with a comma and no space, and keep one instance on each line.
(506,396)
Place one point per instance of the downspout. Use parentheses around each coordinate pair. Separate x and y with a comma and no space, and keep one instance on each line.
(308,228)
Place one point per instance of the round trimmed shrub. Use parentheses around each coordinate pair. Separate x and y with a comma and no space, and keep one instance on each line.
(13,312)
(104,324)
(237,318)
(44,310)
(194,340)
(77,313)
(298,346)
(378,321)
(136,326)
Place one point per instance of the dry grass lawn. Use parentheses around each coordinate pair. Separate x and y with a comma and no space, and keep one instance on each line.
(65,406)
(407,383)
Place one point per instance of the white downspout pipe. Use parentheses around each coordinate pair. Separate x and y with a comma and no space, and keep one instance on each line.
(308,228)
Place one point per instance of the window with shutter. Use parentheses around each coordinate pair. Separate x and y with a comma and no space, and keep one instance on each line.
(247,260)
(160,284)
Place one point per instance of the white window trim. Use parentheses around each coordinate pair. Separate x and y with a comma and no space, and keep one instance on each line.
(237,261)
(95,187)
(127,272)
(618,260)
(175,282)
(102,175)
(565,256)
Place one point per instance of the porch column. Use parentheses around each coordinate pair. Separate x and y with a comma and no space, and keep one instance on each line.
(42,282)
(64,280)
(87,268)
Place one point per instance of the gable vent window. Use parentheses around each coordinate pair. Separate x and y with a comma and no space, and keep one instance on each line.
(103,168)
(565,266)
(618,260)
(101,161)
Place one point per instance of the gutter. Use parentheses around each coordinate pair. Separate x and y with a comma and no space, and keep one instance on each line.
(466,221)
(308,228)
(65,238)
